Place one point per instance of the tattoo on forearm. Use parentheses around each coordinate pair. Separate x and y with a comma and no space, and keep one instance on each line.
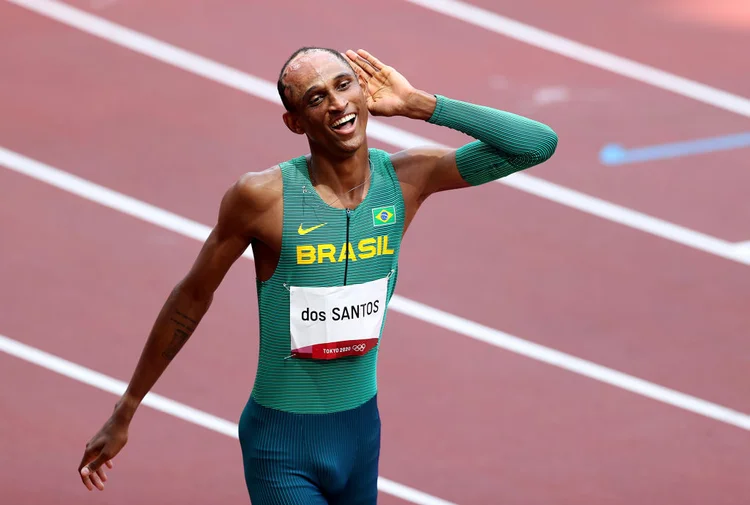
(185,327)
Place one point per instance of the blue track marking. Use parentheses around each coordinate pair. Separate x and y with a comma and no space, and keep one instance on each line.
(615,154)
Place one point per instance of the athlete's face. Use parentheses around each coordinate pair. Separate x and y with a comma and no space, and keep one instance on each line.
(323,91)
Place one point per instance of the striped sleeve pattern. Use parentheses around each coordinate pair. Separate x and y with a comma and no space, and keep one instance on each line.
(506,142)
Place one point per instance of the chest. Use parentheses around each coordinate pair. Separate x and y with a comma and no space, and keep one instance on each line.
(326,246)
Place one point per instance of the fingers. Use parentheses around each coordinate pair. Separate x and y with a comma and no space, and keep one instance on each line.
(94,478)
(97,481)
(362,76)
(83,469)
(93,474)
(102,474)
(86,479)
(98,462)
(360,61)
(356,61)
(100,450)
(373,61)
(91,478)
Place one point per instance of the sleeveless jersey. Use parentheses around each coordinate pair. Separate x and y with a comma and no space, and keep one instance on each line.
(348,254)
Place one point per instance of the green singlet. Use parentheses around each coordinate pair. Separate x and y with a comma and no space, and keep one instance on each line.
(310,433)
(314,253)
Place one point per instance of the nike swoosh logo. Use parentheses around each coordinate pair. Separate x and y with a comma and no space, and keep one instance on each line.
(305,231)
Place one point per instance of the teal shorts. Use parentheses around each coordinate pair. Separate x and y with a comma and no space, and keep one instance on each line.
(315,459)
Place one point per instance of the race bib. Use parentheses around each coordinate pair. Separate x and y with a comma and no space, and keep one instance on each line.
(329,323)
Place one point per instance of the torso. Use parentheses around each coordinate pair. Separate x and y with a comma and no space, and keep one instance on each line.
(267,245)
(303,246)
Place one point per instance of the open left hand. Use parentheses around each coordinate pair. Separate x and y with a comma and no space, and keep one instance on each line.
(388,92)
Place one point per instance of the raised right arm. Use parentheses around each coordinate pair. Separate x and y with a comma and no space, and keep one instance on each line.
(240,211)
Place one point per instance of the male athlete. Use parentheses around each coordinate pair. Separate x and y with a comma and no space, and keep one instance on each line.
(326,230)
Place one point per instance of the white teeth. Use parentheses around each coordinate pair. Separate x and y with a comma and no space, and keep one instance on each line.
(344,119)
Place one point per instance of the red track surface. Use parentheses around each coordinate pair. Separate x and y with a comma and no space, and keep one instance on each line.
(462,420)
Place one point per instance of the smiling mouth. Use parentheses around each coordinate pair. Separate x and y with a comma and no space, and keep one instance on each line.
(344,124)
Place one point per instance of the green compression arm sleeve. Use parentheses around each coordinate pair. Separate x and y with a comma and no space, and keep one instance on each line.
(506,142)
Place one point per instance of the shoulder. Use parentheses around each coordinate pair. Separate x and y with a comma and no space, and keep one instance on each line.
(415,165)
(420,156)
(416,158)
(249,200)
(256,190)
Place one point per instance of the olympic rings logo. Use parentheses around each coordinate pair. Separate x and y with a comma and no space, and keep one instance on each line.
(359,347)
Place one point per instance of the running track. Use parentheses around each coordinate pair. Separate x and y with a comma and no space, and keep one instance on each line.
(463,421)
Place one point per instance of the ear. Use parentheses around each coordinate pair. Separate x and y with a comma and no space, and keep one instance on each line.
(292,122)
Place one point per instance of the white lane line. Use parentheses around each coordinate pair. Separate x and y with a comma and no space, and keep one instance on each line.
(411,308)
(173,408)
(743,249)
(628,217)
(260,88)
(588,54)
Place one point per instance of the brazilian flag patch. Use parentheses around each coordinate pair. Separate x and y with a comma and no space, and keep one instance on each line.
(384,215)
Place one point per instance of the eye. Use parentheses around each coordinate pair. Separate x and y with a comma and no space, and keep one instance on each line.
(345,84)
(316,99)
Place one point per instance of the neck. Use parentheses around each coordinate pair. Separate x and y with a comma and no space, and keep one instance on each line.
(335,177)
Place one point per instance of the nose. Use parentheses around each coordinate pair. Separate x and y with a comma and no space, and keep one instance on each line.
(338,101)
